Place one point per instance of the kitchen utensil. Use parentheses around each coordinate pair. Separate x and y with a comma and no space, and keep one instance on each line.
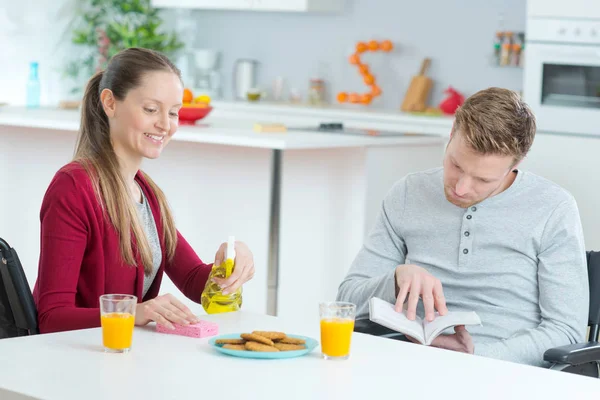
(418,92)
(451,103)
(338,128)
(244,77)
(208,78)
(264,127)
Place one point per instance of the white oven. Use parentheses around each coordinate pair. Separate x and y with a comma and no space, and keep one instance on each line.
(562,65)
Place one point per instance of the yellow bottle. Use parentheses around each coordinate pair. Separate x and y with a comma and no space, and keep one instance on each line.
(213,299)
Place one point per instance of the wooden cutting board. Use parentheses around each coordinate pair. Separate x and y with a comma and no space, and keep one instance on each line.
(418,92)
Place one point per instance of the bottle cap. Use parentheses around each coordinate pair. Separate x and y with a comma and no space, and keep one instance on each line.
(231,248)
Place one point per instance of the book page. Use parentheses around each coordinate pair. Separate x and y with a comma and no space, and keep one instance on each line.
(440,323)
(383,313)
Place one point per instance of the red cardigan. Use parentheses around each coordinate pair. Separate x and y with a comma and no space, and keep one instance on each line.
(80,257)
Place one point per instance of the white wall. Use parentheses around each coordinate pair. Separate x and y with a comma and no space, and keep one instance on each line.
(33,30)
(573,163)
(458,35)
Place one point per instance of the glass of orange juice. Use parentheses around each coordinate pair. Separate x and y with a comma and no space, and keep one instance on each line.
(117,315)
(337,325)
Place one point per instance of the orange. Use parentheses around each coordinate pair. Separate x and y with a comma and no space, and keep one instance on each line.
(375,90)
(366,98)
(361,47)
(373,45)
(364,69)
(342,97)
(188,96)
(369,79)
(354,59)
(387,46)
(354,98)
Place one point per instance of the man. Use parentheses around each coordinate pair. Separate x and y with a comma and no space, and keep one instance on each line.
(481,235)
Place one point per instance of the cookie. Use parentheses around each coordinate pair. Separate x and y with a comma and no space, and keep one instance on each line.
(255,346)
(230,341)
(235,347)
(288,347)
(257,338)
(289,340)
(270,335)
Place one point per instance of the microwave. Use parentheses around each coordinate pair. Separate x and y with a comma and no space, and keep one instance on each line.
(562,74)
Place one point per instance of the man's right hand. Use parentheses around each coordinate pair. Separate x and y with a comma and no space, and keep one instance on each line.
(414,281)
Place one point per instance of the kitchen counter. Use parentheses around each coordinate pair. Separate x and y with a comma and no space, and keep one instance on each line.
(223,129)
(352,115)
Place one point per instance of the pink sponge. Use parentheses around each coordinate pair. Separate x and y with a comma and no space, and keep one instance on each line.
(198,330)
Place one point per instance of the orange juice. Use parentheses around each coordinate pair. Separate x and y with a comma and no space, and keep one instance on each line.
(117,330)
(336,334)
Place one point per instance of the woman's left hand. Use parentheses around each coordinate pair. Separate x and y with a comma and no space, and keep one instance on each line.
(243,271)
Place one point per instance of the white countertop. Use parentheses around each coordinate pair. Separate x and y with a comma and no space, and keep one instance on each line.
(236,129)
(72,366)
(351,114)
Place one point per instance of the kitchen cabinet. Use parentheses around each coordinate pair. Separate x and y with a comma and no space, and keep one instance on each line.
(298,5)
(204,4)
(585,9)
(255,5)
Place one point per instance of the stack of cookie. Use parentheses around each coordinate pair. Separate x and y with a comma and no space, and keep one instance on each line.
(263,341)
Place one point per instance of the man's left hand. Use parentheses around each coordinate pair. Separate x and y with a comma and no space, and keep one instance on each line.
(459,341)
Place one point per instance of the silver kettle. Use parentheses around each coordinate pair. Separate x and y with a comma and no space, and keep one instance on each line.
(244,77)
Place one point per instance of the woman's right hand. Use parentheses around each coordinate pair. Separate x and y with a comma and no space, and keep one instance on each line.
(164,310)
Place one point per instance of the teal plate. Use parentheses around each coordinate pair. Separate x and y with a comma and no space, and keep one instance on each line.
(310,346)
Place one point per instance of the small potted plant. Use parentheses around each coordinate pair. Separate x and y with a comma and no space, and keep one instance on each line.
(102,28)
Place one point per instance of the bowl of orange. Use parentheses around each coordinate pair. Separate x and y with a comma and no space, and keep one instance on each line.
(194,109)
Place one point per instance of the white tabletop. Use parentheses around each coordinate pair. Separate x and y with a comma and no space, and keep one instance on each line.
(227,131)
(72,366)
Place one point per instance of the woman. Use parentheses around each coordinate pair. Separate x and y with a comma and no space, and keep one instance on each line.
(105,225)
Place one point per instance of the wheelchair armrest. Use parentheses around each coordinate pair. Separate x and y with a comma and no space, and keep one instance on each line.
(574,354)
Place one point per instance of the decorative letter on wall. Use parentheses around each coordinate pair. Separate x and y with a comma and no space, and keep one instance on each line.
(365,72)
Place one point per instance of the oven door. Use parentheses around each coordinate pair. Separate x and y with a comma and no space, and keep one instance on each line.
(562,86)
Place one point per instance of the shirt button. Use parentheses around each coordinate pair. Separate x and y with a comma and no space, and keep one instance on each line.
(467,233)
(469,217)
(465,251)
(473,209)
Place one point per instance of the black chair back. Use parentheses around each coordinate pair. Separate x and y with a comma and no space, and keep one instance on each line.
(593,261)
(18,315)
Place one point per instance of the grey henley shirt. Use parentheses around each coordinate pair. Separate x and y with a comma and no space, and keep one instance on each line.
(517,259)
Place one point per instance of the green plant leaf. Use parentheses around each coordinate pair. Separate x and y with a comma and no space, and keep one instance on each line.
(127,23)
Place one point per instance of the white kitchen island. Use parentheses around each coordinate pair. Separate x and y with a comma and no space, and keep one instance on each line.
(303,201)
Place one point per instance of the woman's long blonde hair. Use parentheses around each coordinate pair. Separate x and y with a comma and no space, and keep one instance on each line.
(95,153)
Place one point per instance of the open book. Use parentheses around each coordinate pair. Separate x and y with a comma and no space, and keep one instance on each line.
(383,313)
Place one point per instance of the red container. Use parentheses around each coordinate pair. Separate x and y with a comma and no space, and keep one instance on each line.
(189,115)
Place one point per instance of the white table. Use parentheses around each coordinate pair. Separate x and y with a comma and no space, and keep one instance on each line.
(71,365)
